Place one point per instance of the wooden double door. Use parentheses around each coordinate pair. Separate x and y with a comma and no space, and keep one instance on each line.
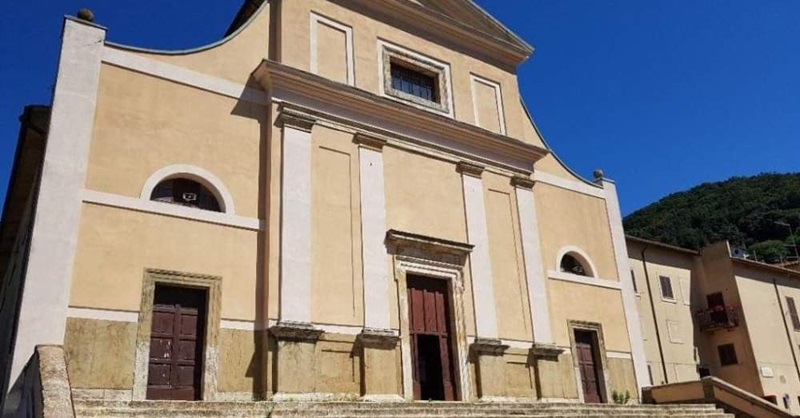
(431,339)
(176,344)
(588,365)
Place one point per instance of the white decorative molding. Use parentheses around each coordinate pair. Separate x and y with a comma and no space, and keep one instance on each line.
(200,175)
(480,259)
(585,280)
(501,115)
(138,63)
(520,344)
(534,268)
(628,295)
(618,355)
(295,278)
(562,183)
(340,329)
(582,256)
(373,233)
(316,20)
(240,325)
(167,209)
(103,314)
(48,279)
(425,61)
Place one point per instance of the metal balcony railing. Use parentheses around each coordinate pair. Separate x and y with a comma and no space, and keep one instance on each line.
(718,317)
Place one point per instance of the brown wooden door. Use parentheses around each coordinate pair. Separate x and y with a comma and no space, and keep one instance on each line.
(431,343)
(590,379)
(176,344)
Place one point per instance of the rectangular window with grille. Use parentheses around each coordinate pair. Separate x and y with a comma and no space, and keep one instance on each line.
(793,313)
(727,355)
(666,288)
(414,82)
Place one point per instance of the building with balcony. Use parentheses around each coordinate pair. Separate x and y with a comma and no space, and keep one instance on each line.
(708,312)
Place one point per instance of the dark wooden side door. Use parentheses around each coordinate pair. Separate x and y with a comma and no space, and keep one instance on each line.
(431,339)
(176,344)
(587,362)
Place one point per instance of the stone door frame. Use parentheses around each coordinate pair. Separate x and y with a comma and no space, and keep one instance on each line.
(602,368)
(455,285)
(212,285)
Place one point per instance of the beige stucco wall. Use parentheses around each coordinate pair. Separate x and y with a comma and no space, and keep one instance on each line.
(720,277)
(295,52)
(337,280)
(239,363)
(676,322)
(233,59)
(143,124)
(338,361)
(425,196)
(505,248)
(100,354)
(567,218)
(115,246)
(767,319)
(622,377)
(599,305)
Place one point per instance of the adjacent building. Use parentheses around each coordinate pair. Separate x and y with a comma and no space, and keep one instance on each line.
(340,199)
(711,312)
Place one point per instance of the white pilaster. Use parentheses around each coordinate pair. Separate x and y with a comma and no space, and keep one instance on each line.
(296,220)
(532,253)
(623,272)
(480,260)
(48,279)
(373,233)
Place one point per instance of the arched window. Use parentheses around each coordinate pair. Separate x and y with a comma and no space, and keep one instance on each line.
(571,264)
(185,192)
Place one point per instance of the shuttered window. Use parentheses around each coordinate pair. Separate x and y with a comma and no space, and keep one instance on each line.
(793,313)
(666,288)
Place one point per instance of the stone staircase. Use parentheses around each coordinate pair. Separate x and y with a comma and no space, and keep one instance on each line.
(149,409)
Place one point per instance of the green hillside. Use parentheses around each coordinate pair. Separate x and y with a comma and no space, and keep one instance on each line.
(742,210)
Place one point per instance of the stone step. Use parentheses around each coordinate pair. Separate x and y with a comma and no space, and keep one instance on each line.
(149,409)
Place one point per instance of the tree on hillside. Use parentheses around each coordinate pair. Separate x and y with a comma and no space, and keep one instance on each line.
(742,210)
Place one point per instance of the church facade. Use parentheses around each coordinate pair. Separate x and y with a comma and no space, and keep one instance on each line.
(341,199)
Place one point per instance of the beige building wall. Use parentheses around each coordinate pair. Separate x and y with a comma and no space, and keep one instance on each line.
(675,319)
(773,337)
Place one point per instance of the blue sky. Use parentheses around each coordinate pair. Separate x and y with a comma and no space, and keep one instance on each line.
(660,94)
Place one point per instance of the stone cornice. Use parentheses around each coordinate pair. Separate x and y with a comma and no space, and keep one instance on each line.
(295,331)
(470,169)
(295,120)
(522,182)
(408,240)
(489,346)
(546,351)
(369,141)
(378,338)
(432,23)
(471,141)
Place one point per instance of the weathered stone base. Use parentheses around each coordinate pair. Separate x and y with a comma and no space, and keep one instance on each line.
(380,374)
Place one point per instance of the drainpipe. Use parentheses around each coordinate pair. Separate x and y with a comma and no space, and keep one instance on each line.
(785,327)
(655,317)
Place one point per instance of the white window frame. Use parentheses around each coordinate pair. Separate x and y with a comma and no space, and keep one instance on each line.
(661,289)
(388,51)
